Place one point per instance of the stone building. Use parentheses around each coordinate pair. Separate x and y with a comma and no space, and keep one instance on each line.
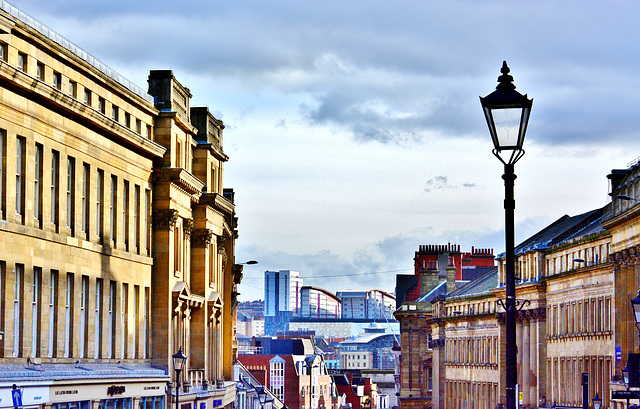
(117,235)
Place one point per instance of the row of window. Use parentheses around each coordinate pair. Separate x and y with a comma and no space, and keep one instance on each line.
(471,350)
(576,259)
(478,307)
(566,372)
(113,321)
(94,101)
(578,317)
(99,196)
(470,394)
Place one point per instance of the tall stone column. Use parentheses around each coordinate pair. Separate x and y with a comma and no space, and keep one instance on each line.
(525,362)
(534,361)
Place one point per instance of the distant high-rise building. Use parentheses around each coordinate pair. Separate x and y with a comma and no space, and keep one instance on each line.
(281,299)
(367,304)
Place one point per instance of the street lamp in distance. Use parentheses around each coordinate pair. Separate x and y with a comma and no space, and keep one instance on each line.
(507,113)
(179,360)
(597,401)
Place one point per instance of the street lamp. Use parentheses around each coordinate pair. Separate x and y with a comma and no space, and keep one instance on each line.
(597,401)
(249,263)
(178,364)
(625,375)
(507,113)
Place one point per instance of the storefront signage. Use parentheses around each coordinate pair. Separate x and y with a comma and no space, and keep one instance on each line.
(67,392)
(115,390)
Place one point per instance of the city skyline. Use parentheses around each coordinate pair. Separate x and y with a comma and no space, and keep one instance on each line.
(354,130)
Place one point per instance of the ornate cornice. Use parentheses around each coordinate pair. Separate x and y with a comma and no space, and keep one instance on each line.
(630,255)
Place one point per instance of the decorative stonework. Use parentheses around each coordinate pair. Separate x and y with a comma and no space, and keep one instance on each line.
(187,227)
(627,256)
(165,218)
(201,237)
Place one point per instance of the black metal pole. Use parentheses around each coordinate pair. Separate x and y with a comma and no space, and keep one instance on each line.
(585,390)
(510,290)
(178,389)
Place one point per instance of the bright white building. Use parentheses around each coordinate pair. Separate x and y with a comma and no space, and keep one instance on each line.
(281,299)
(367,304)
(318,303)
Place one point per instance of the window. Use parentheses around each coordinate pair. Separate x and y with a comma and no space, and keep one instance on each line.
(112,207)
(20,162)
(73,89)
(139,126)
(55,161)
(35,311)
(40,71)
(71,169)
(37,185)
(148,132)
(22,62)
(102,105)
(57,80)
(3,52)
(276,377)
(3,150)
(127,119)
(136,216)
(87,96)
(17,310)
(146,323)
(112,320)
(84,312)
(53,297)
(147,225)
(125,214)
(98,319)
(99,203)
(114,113)
(134,321)
(124,323)
(68,317)
(85,198)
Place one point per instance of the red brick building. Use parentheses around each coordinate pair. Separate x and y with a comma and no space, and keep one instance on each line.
(301,381)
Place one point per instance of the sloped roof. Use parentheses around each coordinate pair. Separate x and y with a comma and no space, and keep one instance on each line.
(564,228)
(440,289)
(481,285)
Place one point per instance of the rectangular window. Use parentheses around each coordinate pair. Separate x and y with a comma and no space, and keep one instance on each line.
(40,71)
(125,214)
(85,198)
(98,319)
(68,317)
(99,203)
(57,80)
(17,310)
(112,207)
(111,344)
(3,178)
(55,183)
(84,315)
(37,185)
(3,52)
(22,62)
(147,225)
(20,171)
(139,126)
(73,89)
(114,113)
(136,216)
(134,321)
(102,105)
(35,311)
(148,132)
(124,324)
(146,323)
(127,119)
(87,96)
(53,316)
(71,181)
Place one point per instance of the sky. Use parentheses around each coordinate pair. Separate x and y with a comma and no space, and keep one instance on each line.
(354,128)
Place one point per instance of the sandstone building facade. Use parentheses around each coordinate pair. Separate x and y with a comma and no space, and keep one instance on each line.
(117,234)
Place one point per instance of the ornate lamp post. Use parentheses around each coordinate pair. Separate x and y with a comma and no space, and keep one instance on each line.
(179,360)
(507,113)
(597,402)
